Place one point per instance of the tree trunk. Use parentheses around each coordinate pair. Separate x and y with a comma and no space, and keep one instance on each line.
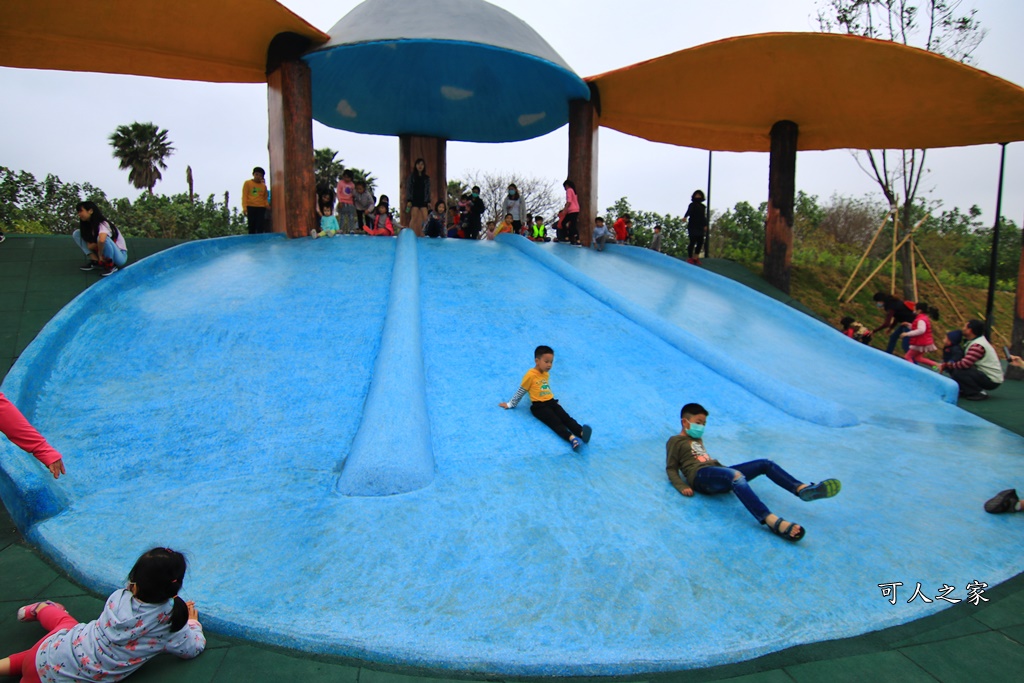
(778,236)
(904,255)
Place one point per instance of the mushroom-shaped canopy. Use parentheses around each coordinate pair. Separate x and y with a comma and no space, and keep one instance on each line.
(843,91)
(453,69)
(193,40)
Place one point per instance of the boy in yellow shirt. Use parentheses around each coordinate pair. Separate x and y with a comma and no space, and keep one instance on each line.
(543,404)
(255,201)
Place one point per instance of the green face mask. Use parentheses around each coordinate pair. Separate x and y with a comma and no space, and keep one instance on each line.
(695,431)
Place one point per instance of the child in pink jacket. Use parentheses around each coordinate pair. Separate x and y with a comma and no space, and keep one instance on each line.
(14,425)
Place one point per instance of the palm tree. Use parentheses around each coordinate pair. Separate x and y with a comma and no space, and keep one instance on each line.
(359,175)
(326,168)
(141,148)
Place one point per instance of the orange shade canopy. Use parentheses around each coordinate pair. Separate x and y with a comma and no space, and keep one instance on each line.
(221,41)
(842,91)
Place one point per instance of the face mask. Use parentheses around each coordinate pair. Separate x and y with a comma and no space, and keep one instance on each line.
(476,194)
(695,431)
(511,193)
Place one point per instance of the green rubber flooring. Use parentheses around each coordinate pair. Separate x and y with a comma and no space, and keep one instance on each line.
(973,644)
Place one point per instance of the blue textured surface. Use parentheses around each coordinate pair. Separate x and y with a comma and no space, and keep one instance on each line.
(207,398)
(446,89)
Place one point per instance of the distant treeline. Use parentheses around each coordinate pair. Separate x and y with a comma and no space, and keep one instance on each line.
(47,207)
(836,232)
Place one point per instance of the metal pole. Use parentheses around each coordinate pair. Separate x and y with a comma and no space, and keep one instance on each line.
(994,256)
(707,238)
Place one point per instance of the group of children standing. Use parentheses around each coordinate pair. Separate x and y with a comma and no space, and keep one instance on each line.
(357,210)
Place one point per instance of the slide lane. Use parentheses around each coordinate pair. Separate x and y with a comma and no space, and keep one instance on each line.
(206,358)
(780,342)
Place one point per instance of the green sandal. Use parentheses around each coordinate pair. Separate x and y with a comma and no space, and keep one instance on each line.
(823,489)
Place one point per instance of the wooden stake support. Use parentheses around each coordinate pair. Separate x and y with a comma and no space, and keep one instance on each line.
(896,247)
(866,252)
(942,289)
(913,270)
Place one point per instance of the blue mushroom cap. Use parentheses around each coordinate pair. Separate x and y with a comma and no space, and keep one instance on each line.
(454,69)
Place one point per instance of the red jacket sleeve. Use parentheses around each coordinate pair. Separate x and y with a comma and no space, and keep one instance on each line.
(14,425)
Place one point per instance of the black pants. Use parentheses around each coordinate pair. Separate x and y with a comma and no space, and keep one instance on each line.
(571,229)
(696,245)
(434,229)
(256,217)
(555,417)
(972,381)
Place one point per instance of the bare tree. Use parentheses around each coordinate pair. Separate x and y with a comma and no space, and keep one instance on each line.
(543,195)
(852,221)
(938,26)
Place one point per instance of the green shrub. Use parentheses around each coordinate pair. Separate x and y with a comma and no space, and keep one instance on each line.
(26,227)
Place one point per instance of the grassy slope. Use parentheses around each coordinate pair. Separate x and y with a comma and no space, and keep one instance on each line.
(817,288)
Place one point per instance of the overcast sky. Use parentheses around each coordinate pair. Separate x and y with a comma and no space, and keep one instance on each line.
(59,122)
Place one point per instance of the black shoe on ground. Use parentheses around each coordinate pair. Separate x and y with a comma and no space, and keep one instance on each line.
(980,396)
(108,270)
(585,433)
(1004,501)
(90,265)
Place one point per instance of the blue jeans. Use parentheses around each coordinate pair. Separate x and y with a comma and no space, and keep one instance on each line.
(110,250)
(348,219)
(894,338)
(721,479)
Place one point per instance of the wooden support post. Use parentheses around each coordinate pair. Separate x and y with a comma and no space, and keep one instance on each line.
(583,122)
(778,234)
(1017,333)
(290,113)
(434,152)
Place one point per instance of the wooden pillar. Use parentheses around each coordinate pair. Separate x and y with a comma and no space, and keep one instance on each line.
(290,113)
(433,151)
(583,122)
(1017,336)
(778,234)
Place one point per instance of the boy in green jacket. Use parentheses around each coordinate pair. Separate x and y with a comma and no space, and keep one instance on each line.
(685,453)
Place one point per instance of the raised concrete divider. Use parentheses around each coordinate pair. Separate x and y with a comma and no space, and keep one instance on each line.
(785,397)
(392,451)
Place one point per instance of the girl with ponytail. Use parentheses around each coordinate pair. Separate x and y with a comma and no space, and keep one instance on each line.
(138,622)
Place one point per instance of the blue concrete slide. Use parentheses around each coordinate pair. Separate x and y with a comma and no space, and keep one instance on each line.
(316,423)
